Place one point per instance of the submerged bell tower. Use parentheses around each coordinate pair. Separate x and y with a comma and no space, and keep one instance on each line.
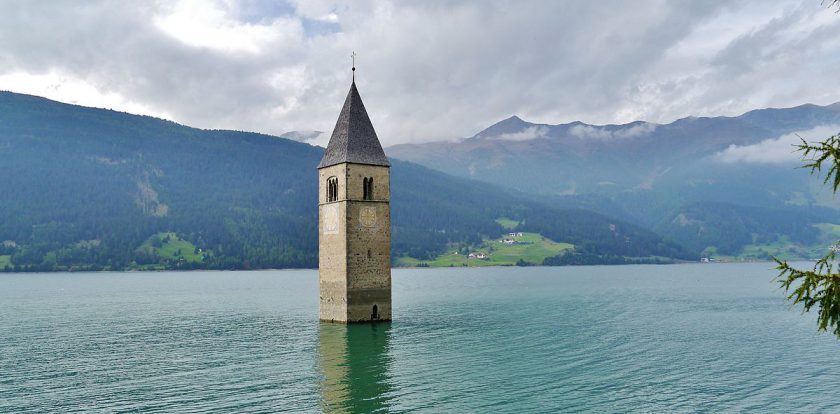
(354,220)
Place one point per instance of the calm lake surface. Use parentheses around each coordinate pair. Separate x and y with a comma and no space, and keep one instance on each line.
(677,338)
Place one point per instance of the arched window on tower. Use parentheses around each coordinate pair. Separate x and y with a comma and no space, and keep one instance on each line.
(332,189)
(367,182)
(364,189)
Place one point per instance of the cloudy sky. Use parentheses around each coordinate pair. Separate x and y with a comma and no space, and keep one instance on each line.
(427,70)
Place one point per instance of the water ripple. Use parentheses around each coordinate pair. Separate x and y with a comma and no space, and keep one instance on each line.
(592,339)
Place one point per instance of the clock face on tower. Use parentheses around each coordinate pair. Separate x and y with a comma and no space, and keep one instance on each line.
(331,219)
(367,216)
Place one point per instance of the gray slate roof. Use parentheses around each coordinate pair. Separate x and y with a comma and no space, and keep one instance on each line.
(353,139)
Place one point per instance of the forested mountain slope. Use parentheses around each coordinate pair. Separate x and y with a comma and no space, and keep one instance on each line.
(88,188)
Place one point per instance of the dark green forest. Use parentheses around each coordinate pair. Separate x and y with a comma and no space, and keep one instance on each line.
(84,189)
(730,227)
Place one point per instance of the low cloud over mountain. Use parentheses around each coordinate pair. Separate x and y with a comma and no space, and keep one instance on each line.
(781,150)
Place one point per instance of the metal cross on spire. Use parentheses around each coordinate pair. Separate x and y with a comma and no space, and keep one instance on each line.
(353,60)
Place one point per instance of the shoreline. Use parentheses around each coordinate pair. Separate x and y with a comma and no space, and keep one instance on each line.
(400,267)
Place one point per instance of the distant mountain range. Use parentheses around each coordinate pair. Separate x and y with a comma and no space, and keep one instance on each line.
(719,183)
(578,158)
(91,189)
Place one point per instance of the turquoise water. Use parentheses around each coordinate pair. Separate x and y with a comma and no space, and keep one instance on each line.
(683,338)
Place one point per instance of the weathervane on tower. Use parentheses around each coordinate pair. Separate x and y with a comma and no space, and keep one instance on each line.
(353,62)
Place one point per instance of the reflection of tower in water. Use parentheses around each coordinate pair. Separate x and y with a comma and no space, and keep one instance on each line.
(354,365)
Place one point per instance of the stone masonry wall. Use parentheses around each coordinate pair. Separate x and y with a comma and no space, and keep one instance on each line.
(355,262)
(368,244)
(332,249)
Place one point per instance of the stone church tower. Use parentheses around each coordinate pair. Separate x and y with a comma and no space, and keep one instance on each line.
(354,220)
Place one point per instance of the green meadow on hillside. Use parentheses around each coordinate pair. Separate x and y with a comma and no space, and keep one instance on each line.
(169,246)
(529,248)
(828,235)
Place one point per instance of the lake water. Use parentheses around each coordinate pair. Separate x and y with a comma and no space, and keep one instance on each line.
(681,338)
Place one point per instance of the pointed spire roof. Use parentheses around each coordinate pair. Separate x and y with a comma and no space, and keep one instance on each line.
(353,139)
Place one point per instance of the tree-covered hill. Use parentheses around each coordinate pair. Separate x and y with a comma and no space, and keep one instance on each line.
(88,188)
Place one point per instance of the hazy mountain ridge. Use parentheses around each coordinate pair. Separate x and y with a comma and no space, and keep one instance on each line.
(584,158)
(652,173)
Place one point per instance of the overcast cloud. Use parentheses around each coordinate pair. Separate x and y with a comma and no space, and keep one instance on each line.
(781,150)
(426,70)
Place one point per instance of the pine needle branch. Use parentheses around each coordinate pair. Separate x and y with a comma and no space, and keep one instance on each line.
(820,286)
